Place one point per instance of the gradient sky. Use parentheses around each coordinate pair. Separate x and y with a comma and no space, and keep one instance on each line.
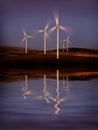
(81,15)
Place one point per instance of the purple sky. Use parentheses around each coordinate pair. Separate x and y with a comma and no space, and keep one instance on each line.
(81,15)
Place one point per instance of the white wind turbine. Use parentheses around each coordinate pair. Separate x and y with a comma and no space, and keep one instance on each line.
(57,28)
(67,41)
(44,31)
(25,39)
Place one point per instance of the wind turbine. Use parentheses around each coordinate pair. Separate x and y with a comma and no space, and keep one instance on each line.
(25,39)
(57,100)
(46,95)
(44,31)
(67,41)
(57,27)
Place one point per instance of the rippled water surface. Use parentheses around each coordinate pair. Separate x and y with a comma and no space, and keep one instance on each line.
(49,103)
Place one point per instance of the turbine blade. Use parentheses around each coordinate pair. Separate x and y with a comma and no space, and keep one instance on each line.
(52,29)
(62,28)
(29,36)
(56,17)
(68,30)
(40,31)
(47,26)
(23,39)
(24,32)
(68,41)
(65,40)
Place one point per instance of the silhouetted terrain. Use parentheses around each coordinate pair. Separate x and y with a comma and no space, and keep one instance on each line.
(14,56)
(18,50)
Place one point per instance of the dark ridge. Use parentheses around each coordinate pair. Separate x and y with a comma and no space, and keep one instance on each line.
(16,50)
(14,56)
(19,50)
(81,50)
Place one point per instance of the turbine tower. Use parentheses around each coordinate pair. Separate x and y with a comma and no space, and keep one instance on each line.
(44,31)
(63,45)
(25,39)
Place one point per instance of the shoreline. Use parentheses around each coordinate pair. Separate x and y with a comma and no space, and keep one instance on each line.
(11,74)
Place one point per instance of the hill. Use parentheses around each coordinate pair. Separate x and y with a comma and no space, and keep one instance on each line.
(19,50)
(16,50)
(75,57)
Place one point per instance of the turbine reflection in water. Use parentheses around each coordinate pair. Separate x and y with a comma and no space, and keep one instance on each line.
(45,91)
(58,100)
(26,91)
(46,95)
(60,112)
(66,85)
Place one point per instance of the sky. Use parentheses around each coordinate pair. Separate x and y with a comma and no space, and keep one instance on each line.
(32,15)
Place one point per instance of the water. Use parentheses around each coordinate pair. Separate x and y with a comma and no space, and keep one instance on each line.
(48,102)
